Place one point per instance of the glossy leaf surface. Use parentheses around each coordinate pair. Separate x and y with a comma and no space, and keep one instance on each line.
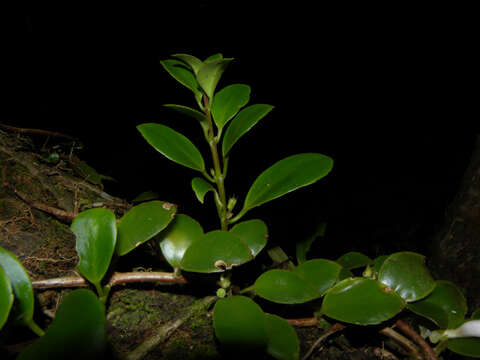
(242,123)
(240,324)
(178,237)
(320,273)
(282,342)
(141,223)
(354,260)
(96,235)
(77,332)
(361,301)
(465,346)
(446,306)
(172,145)
(201,187)
(284,287)
(228,101)
(378,262)
(6,297)
(209,74)
(180,72)
(216,251)
(302,247)
(287,175)
(407,275)
(254,233)
(192,61)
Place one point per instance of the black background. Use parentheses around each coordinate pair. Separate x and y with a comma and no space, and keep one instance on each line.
(386,92)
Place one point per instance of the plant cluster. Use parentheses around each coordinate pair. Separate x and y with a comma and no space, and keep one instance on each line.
(353,289)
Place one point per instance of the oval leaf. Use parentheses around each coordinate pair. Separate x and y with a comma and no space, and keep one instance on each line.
(353,260)
(284,287)
(361,301)
(141,223)
(320,273)
(180,72)
(228,101)
(465,346)
(377,263)
(242,123)
(254,233)
(216,251)
(178,237)
(283,341)
(407,275)
(302,247)
(172,145)
(287,175)
(209,74)
(191,113)
(446,306)
(201,187)
(77,332)
(240,324)
(6,297)
(192,61)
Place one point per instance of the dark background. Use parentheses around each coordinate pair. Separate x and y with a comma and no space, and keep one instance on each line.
(386,92)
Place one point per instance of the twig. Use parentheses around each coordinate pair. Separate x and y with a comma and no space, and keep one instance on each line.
(407,330)
(36,131)
(407,344)
(303,322)
(336,327)
(384,354)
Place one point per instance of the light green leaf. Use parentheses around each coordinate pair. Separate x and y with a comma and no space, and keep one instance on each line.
(240,324)
(178,237)
(354,260)
(180,72)
(172,145)
(285,176)
(217,251)
(141,223)
(228,101)
(213,57)
(194,62)
(6,297)
(209,74)
(407,275)
(193,113)
(242,123)
(361,301)
(77,332)
(254,233)
(201,187)
(283,341)
(320,273)
(302,247)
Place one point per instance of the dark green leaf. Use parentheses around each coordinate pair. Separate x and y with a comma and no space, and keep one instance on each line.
(345,274)
(145,196)
(172,145)
(96,236)
(378,262)
(201,187)
(319,273)
(195,114)
(180,72)
(192,61)
(354,260)
(465,346)
(254,233)
(476,314)
(361,301)
(242,123)
(213,57)
(141,223)
(283,342)
(303,246)
(77,332)
(228,101)
(6,297)
(178,237)
(407,275)
(209,74)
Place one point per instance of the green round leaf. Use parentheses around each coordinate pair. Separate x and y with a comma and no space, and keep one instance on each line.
(465,346)
(319,273)
(77,332)
(192,61)
(209,74)
(228,101)
(240,324)
(446,306)
(345,274)
(407,275)
(141,223)
(217,251)
(378,262)
(177,238)
(96,236)
(242,123)
(201,187)
(254,233)
(6,297)
(361,301)
(172,145)
(284,287)
(354,260)
(287,175)
(283,341)
(180,72)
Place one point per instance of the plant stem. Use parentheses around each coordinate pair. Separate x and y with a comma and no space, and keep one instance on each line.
(35,328)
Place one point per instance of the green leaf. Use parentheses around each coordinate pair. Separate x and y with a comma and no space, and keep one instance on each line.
(213,57)
(145,196)
(209,74)
(361,301)
(284,287)
(180,72)
(192,61)
(354,260)
(254,233)
(446,306)
(178,237)
(6,297)
(228,101)
(302,247)
(172,145)
(217,251)
(285,176)
(242,123)
(283,341)
(378,262)
(201,187)
(407,275)
(465,346)
(141,223)
(240,324)
(321,274)
(77,332)
(96,236)
(345,274)
(195,114)
(476,315)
